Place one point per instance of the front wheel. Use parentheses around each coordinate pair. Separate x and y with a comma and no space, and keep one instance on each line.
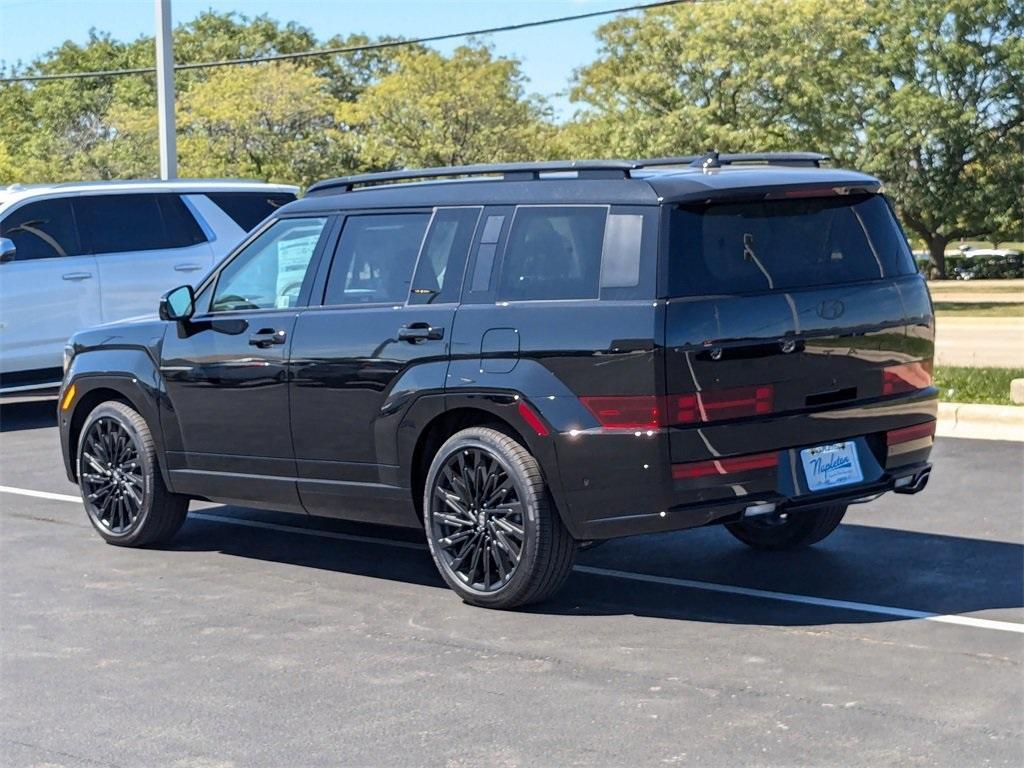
(122,488)
(492,529)
(797,530)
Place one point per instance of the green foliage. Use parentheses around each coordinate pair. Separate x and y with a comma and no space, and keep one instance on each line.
(278,125)
(264,121)
(943,122)
(925,94)
(961,384)
(435,110)
(737,75)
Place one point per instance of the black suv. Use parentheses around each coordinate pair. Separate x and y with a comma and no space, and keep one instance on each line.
(524,359)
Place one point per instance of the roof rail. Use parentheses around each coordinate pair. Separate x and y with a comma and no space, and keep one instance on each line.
(592,169)
(714,159)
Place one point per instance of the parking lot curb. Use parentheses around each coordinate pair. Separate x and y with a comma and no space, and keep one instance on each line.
(981,422)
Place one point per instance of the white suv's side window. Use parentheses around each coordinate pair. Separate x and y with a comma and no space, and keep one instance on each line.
(42,230)
(269,273)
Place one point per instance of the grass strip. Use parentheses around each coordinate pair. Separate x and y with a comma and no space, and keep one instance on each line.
(964,384)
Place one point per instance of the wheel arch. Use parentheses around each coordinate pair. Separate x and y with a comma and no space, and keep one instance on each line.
(437,418)
(137,387)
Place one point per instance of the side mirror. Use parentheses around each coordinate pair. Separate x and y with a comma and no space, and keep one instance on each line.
(7,249)
(178,303)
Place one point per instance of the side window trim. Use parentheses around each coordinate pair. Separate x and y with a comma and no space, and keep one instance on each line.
(505,212)
(465,264)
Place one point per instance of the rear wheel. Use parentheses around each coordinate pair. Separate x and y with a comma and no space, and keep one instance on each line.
(122,488)
(492,529)
(795,531)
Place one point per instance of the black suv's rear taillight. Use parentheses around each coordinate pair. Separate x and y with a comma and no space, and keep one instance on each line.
(908,377)
(651,412)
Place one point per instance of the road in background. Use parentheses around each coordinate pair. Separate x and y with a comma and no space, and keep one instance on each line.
(248,644)
(980,341)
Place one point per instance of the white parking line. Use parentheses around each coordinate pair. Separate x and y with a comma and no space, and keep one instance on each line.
(706,586)
(40,494)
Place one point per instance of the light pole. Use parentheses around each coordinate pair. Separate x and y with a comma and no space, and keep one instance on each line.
(165,90)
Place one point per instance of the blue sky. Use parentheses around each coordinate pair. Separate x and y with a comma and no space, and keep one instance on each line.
(549,54)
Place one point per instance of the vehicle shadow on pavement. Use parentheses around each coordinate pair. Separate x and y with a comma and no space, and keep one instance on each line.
(882,566)
(16,416)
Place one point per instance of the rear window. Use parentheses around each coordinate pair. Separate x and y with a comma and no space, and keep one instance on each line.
(746,247)
(247,209)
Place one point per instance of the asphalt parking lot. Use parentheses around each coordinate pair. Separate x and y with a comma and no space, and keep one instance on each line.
(262,640)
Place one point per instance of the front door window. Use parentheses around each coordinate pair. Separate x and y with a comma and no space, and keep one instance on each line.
(269,273)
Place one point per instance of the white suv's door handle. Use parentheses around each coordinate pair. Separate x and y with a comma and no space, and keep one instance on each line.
(77,275)
(186,267)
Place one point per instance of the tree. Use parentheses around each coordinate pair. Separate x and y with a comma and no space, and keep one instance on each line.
(776,74)
(268,121)
(436,110)
(924,93)
(944,123)
(103,128)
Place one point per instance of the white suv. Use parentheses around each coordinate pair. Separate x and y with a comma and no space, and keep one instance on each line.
(81,254)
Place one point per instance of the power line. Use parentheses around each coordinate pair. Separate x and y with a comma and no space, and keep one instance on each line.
(347,49)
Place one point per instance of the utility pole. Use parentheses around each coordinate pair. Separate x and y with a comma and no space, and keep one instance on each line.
(165,90)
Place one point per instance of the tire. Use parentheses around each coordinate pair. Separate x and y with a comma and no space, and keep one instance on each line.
(481,487)
(122,488)
(799,530)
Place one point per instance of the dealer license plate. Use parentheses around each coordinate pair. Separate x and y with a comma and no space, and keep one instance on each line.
(831,466)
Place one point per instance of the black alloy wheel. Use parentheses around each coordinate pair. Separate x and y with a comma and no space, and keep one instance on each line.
(122,488)
(478,519)
(112,481)
(491,525)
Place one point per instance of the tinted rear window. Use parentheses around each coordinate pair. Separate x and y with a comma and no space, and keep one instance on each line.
(746,247)
(247,209)
(136,222)
(553,253)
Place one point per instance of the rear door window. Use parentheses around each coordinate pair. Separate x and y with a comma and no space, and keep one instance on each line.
(553,253)
(375,257)
(136,222)
(438,278)
(778,245)
(247,209)
(42,230)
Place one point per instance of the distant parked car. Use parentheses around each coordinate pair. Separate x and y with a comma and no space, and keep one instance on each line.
(988,263)
(76,255)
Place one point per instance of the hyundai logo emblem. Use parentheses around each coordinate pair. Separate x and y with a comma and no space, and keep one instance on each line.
(830,309)
(787,346)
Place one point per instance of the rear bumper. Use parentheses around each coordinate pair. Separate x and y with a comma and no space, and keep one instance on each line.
(616,484)
(907,479)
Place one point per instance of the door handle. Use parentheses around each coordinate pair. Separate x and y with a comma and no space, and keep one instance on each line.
(267,337)
(77,275)
(417,332)
(186,267)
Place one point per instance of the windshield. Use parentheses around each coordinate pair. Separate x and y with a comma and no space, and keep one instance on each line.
(747,247)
